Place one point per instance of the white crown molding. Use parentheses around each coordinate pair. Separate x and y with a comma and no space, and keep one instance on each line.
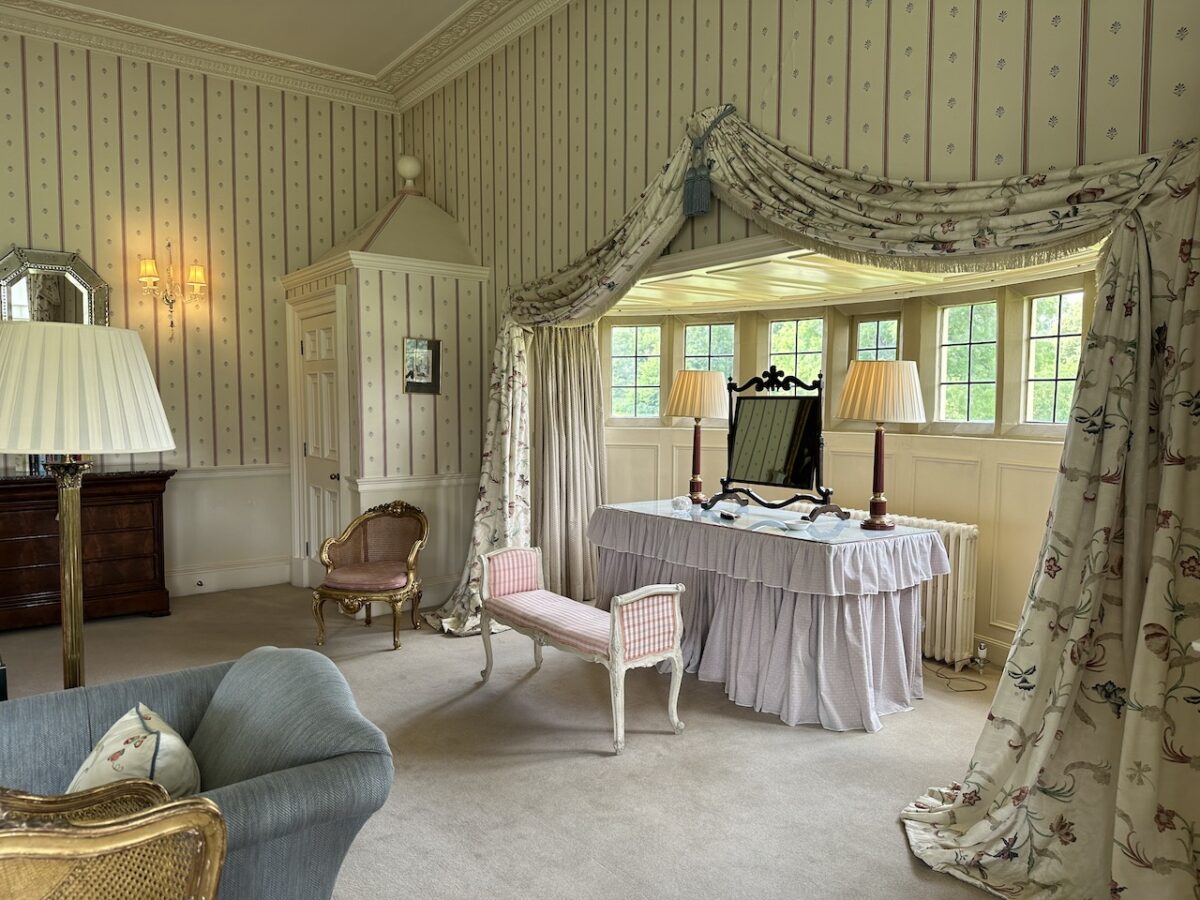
(382,262)
(469,37)
(150,43)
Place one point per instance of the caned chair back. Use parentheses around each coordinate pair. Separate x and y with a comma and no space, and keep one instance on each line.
(175,850)
(511,571)
(392,532)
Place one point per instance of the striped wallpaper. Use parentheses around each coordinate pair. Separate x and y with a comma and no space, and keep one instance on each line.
(541,147)
(112,157)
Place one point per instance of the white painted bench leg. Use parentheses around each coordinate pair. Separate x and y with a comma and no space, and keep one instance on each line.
(537,653)
(616,681)
(485,629)
(673,702)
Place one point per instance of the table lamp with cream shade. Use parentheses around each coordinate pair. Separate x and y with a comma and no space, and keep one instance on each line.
(75,391)
(881,391)
(697,395)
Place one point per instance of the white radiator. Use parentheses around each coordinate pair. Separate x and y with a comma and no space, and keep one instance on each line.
(947,601)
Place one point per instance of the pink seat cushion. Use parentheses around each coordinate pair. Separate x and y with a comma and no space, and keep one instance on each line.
(564,621)
(368,577)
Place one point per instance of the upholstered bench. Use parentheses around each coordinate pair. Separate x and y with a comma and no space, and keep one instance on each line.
(644,626)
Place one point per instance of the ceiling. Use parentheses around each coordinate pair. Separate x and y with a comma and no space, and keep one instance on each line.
(802,278)
(363,36)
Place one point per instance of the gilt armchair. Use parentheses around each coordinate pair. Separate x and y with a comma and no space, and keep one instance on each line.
(644,626)
(120,840)
(374,561)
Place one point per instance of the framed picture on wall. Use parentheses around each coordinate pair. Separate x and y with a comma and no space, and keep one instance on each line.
(422,365)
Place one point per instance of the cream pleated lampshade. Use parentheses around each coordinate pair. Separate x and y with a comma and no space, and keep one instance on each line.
(77,389)
(882,391)
(698,395)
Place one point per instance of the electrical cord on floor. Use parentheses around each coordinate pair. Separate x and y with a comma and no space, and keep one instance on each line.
(953,678)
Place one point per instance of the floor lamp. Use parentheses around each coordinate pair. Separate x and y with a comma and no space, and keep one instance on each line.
(697,395)
(74,391)
(879,391)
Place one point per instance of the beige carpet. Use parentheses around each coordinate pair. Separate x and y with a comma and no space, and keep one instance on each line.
(511,790)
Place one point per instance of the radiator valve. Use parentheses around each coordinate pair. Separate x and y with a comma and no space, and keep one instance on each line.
(979,660)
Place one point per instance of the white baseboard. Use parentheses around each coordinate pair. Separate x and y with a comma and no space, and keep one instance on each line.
(227,576)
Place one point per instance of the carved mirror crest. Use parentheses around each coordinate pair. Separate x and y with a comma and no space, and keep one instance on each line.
(51,286)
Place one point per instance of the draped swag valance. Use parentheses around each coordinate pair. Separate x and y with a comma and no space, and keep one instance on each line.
(1083,782)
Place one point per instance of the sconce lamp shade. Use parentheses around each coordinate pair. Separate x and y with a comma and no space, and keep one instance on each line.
(78,389)
(698,395)
(882,391)
(148,271)
(196,277)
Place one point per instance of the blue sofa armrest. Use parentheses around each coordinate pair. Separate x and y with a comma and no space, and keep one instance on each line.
(351,786)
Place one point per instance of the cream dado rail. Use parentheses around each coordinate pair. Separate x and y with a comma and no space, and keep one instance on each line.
(1003,486)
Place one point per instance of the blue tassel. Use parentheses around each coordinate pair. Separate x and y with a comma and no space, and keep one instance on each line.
(697,191)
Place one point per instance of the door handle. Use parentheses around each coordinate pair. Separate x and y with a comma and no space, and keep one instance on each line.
(336,476)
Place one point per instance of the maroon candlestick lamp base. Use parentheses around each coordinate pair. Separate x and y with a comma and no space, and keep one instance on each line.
(696,488)
(878,520)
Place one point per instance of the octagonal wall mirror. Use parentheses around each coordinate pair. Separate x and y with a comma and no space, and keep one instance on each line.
(51,286)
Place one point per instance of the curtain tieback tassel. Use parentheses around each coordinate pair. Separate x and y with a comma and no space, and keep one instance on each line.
(697,185)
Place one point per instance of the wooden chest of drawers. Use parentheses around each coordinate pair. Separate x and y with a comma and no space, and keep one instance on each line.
(123,567)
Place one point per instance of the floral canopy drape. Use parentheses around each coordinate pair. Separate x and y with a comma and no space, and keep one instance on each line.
(1084,780)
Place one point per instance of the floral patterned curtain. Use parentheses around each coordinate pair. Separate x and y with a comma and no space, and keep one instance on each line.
(1083,781)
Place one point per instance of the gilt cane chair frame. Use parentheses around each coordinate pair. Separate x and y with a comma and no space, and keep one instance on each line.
(615,662)
(57,845)
(350,602)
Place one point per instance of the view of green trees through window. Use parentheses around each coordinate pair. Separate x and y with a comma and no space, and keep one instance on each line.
(796,346)
(967,363)
(877,339)
(1055,341)
(708,348)
(636,370)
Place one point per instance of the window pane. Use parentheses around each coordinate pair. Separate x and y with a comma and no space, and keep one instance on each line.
(1072,313)
(957,325)
(623,370)
(624,341)
(1043,358)
(647,371)
(1045,316)
(647,402)
(809,334)
(1040,401)
(623,402)
(983,402)
(724,365)
(889,333)
(983,362)
(696,363)
(1066,390)
(954,402)
(648,340)
(1068,357)
(868,334)
(695,340)
(722,340)
(955,363)
(887,353)
(868,354)
(808,366)
(983,322)
(783,337)
(786,362)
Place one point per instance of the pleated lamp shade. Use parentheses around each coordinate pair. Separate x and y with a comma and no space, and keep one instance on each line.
(883,390)
(77,389)
(698,395)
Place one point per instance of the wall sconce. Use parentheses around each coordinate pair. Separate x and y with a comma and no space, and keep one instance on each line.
(170,291)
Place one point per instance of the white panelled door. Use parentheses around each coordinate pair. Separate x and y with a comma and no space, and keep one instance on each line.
(320,429)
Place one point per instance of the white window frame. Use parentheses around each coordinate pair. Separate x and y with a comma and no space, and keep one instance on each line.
(951,426)
(889,316)
(665,372)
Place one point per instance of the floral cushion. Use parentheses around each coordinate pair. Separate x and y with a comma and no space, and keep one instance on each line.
(563,620)
(140,745)
(368,577)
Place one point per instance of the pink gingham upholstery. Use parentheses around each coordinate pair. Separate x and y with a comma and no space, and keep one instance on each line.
(511,572)
(647,625)
(574,625)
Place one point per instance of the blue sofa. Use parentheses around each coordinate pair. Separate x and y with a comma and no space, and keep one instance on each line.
(282,749)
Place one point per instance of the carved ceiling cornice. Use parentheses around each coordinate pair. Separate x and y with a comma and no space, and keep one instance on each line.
(462,41)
